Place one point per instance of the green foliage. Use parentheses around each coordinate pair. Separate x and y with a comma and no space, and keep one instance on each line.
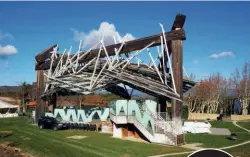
(184,114)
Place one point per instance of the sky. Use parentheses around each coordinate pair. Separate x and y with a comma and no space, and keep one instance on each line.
(217,33)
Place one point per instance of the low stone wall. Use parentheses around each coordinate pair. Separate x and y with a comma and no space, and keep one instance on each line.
(240,117)
(201,116)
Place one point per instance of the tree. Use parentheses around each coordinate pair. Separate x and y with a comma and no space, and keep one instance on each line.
(80,100)
(25,88)
(241,83)
(208,95)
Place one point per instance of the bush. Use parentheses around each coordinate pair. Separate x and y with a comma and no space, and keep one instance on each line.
(184,114)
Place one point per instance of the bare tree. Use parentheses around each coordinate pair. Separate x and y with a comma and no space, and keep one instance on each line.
(25,87)
(208,95)
(241,83)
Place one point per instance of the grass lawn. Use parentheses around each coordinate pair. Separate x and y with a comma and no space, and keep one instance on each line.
(244,124)
(229,125)
(241,151)
(216,141)
(49,143)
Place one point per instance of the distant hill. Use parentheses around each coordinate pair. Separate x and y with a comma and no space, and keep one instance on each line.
(15,89)
(9,89)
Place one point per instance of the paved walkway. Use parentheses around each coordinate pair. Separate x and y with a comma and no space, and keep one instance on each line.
(220,131)
(222,148)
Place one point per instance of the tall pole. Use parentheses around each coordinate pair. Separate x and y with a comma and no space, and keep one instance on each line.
(177,64)
(40,107)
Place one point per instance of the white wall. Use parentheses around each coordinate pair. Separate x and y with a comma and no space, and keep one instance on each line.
(117,132)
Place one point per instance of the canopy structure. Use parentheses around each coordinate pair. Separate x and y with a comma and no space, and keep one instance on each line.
(159,72)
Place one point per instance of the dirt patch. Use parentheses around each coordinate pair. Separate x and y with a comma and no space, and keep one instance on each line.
(25,138)
(194,146)
(125,155)
(9,150)
(131,139)
(77,137)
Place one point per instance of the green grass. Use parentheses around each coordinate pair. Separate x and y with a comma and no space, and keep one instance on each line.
(244,124)
(241,151)
(228,125)
(216,141)
(49,143)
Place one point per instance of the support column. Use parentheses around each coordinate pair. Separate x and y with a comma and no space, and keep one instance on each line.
(40,86)
(178,76)
(177,66)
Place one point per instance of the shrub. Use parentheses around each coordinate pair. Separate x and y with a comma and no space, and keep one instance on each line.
(184,114)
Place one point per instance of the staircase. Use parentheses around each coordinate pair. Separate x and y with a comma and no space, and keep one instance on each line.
(143,130)
(133,120)
(164,134)
(164,127)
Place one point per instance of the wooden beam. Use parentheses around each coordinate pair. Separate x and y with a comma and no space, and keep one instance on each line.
(129,46)
(45,54)
(179,21)
(40,107)
(178,76)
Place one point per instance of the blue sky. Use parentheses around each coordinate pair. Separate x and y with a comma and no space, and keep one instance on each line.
(220,29)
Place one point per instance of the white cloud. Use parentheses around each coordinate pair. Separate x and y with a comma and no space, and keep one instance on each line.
(221,55)
(5,35)
(105,30)
(196,62)
(7,50)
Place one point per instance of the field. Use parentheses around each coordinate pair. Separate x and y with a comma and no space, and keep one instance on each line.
(208,140)
(49,143)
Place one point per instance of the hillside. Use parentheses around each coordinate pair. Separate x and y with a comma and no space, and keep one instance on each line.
(10,89)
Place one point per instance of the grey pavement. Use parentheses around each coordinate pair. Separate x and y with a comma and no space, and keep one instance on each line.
(220,131)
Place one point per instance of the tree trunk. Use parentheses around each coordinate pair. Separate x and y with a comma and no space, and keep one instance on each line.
(244,106)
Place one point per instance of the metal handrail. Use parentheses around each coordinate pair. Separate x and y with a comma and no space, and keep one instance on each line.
(156,116)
